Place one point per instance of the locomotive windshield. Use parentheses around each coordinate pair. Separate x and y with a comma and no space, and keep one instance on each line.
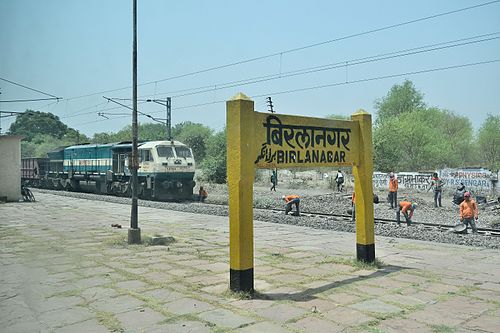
(164,151)
(183,152)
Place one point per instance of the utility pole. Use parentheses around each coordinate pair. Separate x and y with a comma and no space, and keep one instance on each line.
(275,171)
(168,120)
(134,233)
(270,105)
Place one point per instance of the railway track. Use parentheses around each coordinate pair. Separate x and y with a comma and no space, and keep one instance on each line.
(433,226)
(429,226)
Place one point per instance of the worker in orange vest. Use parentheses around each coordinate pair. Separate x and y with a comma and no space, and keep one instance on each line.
(290,200)
(393,190)
(469,212)
(407,208)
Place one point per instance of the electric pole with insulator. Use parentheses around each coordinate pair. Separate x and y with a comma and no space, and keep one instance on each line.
(271,109)
(270,105)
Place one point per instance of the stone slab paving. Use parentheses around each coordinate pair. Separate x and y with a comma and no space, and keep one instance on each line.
(64,269)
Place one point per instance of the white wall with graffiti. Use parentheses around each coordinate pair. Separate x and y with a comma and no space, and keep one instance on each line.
(478,180)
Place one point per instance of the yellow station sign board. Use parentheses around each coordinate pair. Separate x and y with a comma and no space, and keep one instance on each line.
(284,141)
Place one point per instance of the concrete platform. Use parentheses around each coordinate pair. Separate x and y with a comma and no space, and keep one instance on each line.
(63,268)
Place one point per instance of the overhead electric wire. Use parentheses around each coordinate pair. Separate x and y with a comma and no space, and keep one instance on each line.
(347,63)
(339,64)
(297,49)
(379,78)
(329,85)
(128,107)
(29,88)
(29,100)
(309,70)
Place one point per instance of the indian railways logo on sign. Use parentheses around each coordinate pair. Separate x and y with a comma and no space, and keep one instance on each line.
(299,141)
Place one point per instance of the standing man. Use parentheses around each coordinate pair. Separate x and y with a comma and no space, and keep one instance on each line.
(437,183)
(274,180)
(393,190)
(202,194)
(290,200)
(469,212)
(340,180)
(407,208)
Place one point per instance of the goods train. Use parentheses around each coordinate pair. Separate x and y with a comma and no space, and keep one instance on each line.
(166,169)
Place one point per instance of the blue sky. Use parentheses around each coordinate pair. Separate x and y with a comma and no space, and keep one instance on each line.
(75,48)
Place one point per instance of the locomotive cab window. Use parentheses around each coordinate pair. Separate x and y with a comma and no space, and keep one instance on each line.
(146,155)
(183,152)
(164,151)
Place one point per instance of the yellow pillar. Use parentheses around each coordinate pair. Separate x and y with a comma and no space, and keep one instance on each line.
(363,187)
(240,175)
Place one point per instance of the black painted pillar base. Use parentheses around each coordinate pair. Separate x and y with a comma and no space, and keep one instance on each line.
(365,252)
(241,280)
(134,236)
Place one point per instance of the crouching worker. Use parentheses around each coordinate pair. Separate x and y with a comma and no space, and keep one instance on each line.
(469,212)
(407,208)
(290,200)
(202,194)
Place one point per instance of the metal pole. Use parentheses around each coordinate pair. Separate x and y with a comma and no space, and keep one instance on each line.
(134,233)
(169,118)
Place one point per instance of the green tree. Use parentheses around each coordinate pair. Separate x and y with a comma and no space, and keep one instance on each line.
(41,144)
(151,132)
(399,100)
(75,136)
(215,166)
(409,136)
(489,142)
(102,137)
(418,141)
(455,138)
(386,147)
(195,136)
(32,123)
(412,141)
(146,131)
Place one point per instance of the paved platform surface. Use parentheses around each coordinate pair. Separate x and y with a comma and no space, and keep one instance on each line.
(63,268)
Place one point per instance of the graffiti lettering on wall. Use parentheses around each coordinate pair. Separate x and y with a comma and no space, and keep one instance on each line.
(471,178)
(409,180)
(475,179)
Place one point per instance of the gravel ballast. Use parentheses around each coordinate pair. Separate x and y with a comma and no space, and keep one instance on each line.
(331,203)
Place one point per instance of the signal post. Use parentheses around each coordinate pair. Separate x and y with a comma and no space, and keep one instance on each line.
(263,140)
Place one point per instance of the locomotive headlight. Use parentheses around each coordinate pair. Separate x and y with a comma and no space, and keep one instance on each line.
(167,184)
(178,184)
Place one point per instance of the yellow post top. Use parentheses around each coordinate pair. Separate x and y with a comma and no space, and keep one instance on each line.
(241,96)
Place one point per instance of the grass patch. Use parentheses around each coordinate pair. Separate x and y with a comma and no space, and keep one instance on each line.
(276,258)
(108,320)
(371,327)
(442,329)
(466,290)
(241,295)
(204,256)
(353,262)
(67,293)
(120,240)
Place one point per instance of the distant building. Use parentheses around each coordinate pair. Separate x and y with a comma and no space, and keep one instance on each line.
(10,167)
